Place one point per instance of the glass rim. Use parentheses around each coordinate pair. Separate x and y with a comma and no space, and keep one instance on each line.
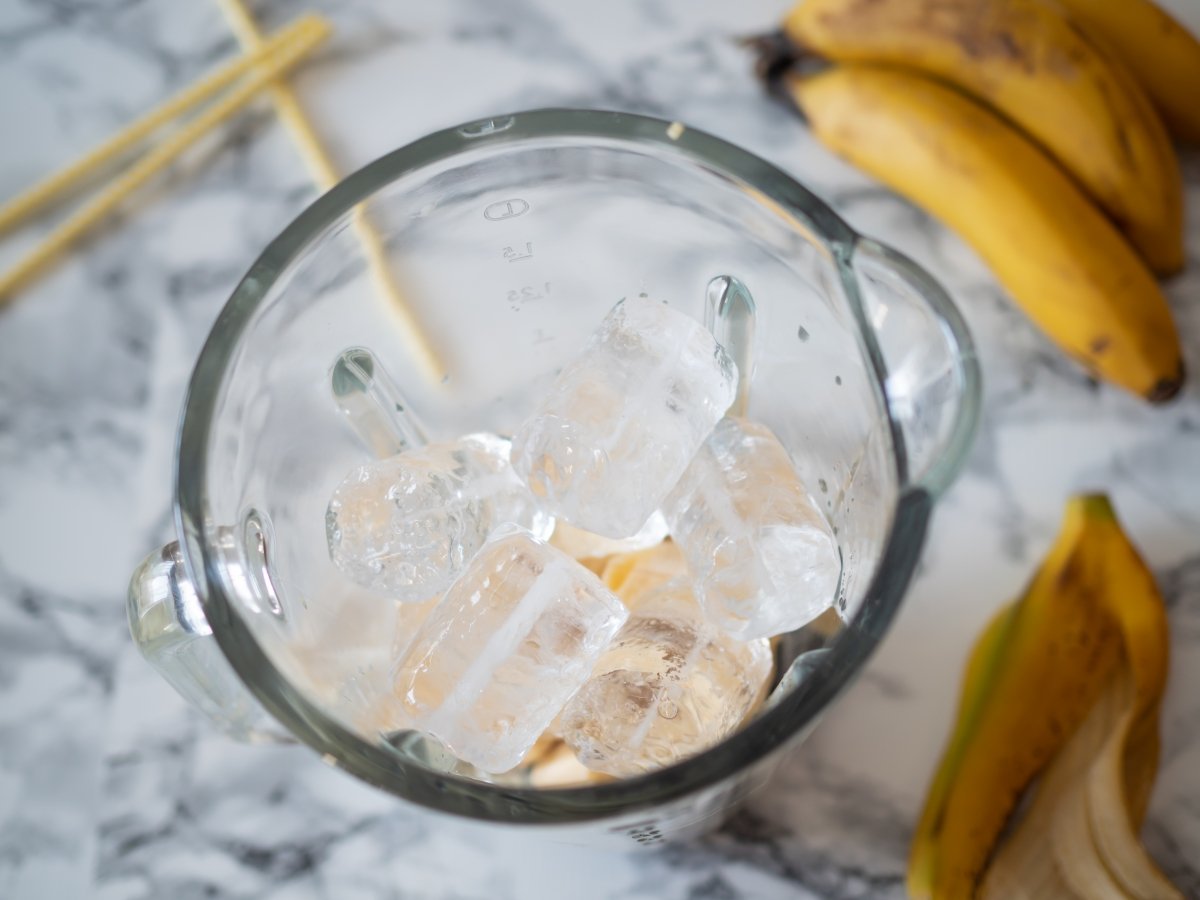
(771,729)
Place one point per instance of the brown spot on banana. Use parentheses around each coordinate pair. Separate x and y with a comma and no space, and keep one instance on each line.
(1009,44)
(1166,388)
(1071,572)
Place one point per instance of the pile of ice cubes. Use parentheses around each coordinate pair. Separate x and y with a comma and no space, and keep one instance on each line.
(645,658)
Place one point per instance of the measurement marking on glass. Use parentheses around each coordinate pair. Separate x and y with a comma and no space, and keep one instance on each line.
(505,209)
(529,292)
(516,255)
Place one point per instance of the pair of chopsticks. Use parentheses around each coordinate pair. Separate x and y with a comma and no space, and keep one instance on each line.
(255,71)
(233,86)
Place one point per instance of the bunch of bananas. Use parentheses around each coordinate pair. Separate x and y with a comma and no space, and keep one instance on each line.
(1033,128)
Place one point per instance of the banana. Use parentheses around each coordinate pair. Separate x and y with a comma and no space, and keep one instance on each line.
(1024,59)
(1059,258)
(1032,679)
(1161,53)
(589,550)
(630,575)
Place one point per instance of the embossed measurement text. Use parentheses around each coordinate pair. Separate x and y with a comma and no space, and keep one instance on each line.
(529,292)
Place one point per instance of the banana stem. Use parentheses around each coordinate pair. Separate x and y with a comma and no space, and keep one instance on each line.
(776,55)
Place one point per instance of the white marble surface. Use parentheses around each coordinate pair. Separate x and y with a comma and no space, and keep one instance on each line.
(109,787)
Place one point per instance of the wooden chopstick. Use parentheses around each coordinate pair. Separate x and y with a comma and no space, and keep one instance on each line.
(287,105)
(325,175)
(47,190)
(308,34)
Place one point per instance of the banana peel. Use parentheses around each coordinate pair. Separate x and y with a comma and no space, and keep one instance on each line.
(1070,676)
(1026,866)
(1093,798)
(1079,836)
(1030,682)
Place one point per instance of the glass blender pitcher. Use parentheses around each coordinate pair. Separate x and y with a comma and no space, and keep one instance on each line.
(509,239)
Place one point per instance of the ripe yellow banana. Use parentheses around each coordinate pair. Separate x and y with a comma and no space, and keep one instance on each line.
(1161,54)
(1024,59)
(629,575)
(1059,258)
(1031,680)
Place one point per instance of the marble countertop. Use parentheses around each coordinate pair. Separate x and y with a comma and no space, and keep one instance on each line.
(110,787)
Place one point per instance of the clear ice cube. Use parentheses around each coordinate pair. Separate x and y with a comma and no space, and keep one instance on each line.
(762,555)
(405,526)
(512,639)
(623,419)
(669,686)
(344,653)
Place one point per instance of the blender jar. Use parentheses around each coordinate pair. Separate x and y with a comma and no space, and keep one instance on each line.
(508,240)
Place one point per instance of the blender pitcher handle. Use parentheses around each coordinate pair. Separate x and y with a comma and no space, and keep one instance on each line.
(932,384)
(169,627)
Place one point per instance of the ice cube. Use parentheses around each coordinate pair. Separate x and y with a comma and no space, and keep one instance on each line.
(669,686)
(367,701)
(762,555)
(405,526)
(341,652)
(623,419)
(512,639)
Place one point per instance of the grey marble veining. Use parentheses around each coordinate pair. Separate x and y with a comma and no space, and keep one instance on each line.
(110,787)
